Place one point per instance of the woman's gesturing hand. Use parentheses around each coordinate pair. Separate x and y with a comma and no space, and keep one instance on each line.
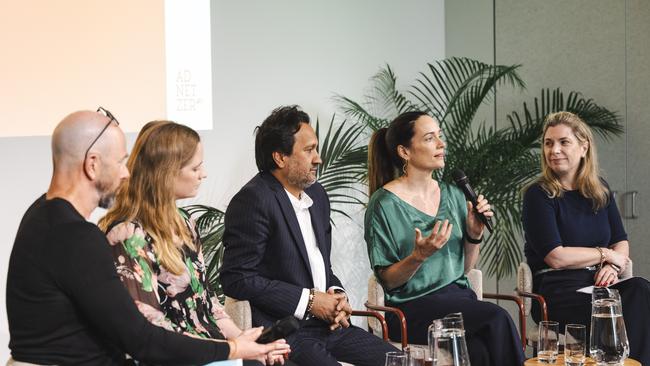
(426,246)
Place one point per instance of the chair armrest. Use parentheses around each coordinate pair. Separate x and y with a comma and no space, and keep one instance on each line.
(627,273)
(475,278)
(239,311)
(379,317)
(400,316)
(522,313)
(540,300)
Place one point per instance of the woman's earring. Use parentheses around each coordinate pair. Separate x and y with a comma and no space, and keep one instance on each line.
(406,164)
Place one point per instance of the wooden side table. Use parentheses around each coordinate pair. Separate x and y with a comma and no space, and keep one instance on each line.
(588,362)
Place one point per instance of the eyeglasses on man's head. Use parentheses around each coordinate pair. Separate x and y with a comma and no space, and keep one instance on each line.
(111,119)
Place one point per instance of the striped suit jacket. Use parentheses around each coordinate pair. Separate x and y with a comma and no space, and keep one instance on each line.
(265,258)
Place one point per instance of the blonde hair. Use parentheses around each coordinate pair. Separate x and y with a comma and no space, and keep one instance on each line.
(161,149)
(587,178)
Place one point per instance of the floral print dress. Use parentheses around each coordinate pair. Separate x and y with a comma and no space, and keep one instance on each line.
(181,303)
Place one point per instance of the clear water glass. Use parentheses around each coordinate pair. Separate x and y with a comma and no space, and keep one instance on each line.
(548,343)
(575,345)
(396,358)
(416,356)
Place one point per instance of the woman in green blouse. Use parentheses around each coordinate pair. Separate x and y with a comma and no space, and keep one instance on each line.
(421,241)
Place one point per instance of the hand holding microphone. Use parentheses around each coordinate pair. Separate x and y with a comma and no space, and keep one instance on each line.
(480,208)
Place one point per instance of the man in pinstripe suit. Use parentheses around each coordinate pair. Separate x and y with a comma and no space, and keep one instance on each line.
(277,248)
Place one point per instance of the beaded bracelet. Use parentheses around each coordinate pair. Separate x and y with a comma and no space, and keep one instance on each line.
(310,303)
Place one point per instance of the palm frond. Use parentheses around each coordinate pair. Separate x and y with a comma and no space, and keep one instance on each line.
(603,122)
(210,227)
(384,99)
(357,112)
(343,164)
(455,88)
(386,96)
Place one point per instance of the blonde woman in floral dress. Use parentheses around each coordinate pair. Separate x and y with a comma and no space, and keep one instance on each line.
(156,248)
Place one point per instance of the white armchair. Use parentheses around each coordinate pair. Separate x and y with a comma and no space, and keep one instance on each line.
(240,312)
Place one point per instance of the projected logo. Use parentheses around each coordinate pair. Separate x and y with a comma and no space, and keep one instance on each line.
(186,96)
(188,54)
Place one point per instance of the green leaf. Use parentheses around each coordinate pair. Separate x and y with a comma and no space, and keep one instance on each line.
(344,164)
(210,227)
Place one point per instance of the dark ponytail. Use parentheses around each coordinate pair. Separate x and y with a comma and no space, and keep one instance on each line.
(380,168)
(384,164)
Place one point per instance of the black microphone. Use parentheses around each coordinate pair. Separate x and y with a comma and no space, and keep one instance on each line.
(281,329)
(463,183)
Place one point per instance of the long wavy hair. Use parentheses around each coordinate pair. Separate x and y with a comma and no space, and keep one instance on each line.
(587,180)
(161,149)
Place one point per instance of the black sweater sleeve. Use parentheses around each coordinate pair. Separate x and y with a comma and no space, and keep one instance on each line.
(87,273)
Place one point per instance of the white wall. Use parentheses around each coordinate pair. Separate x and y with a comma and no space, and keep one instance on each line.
(265,54)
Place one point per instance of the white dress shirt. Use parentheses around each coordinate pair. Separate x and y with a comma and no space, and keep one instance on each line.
(316,263)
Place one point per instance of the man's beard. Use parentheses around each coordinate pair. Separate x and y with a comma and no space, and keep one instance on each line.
(301,181)
(106,200)
(106,194)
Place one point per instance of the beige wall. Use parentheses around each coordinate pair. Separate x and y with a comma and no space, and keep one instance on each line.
(60,56)
(637,115)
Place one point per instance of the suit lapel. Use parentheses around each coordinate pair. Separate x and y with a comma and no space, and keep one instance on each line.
(289,216)
(317,223)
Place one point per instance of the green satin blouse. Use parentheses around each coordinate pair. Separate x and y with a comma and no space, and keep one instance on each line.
(390,226)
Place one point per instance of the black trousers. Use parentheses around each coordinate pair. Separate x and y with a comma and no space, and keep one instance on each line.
(491,336)
(315,344)
(565,305)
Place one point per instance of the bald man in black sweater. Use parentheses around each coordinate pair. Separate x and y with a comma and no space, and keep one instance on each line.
(65,302)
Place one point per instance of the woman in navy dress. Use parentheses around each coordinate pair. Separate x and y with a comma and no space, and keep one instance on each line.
(575,236)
